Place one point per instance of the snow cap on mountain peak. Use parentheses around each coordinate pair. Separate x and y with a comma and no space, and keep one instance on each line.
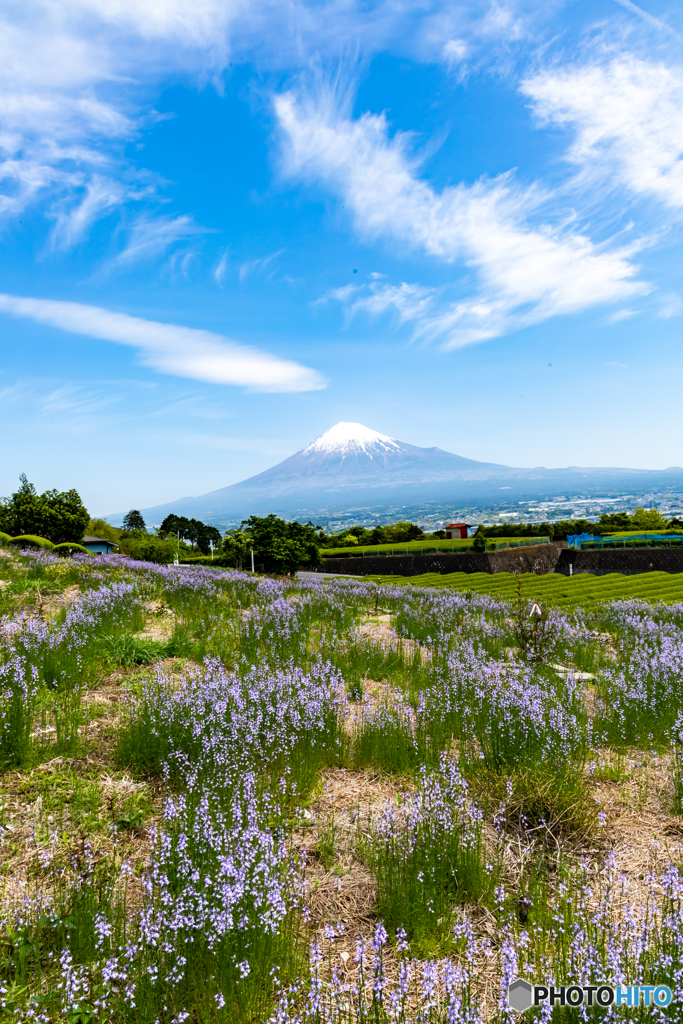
(348,437)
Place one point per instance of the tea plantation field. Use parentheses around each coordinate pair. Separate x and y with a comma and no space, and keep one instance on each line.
(560,591)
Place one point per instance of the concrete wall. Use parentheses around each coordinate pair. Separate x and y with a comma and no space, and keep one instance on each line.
(538,558)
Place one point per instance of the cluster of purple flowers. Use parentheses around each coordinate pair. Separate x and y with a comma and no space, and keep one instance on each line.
(639,698)
(56,655)
(211,928)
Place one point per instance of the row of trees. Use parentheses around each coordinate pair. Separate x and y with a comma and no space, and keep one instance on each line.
(277,546)
(167,542)
(645,519)
(281,547)
(395,533)
(192,530)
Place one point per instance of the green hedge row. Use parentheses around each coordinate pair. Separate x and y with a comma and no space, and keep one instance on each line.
(29,540)
(218,561)
(68,547)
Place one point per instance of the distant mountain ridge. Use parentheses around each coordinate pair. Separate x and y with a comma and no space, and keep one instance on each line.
(351,465)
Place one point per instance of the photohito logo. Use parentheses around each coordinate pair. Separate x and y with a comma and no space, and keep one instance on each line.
(522,995)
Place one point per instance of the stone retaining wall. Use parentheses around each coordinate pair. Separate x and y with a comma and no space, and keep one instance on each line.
(539,558)
(628,561)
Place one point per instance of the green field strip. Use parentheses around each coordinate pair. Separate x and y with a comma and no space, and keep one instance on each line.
(429,546)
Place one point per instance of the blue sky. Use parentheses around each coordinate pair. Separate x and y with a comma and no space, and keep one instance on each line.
(228,225)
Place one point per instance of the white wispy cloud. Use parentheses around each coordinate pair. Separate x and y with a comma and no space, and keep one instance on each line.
(526,273)
(153,236)
(250,266)
(78,79)
(649,18)
(407,301)
(622,314)
(170,348)
(100,195)
(221,269)
(76,82)
(672,305)
(627,115)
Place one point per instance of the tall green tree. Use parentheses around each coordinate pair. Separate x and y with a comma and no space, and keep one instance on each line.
(237,546)
(479,542)
(282,547)
(194,530)
(58,516)
(173,524)
(648,519)
(133,522)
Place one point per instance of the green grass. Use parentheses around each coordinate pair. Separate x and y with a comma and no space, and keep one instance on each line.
(426,546)
(558,590)
(128,649)
(639,533)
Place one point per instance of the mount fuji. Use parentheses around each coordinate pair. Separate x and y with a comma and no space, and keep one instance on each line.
(351,465)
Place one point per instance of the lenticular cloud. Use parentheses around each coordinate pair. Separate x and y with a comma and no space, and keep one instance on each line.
(182,351)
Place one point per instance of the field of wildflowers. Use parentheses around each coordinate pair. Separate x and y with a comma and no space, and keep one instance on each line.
(243,799)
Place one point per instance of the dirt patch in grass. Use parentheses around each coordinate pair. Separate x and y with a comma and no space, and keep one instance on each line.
(341,888)
(639,827)
(160,622)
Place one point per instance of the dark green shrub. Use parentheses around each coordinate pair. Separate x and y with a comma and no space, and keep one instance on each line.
(146,548)
(218,561)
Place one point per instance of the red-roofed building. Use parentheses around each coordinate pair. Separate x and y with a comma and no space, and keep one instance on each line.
(458,531)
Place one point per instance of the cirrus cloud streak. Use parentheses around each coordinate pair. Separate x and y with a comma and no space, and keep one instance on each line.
(170,348)
(527,272)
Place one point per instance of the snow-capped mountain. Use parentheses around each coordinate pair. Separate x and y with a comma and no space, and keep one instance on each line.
(351,437)
(351,465)
(352,455)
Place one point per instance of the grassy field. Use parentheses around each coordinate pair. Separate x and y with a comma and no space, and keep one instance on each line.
(650,533)
(554,588)
(228,799)
(416,547)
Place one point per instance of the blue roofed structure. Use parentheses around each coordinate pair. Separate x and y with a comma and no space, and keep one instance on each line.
(98,545)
